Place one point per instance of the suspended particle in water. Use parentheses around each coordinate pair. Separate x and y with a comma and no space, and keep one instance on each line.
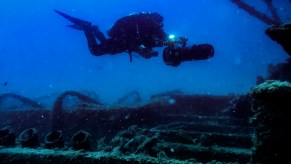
(171,101)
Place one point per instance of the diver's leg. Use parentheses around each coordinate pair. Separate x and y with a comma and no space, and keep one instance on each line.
(89,30)
(99,35)
(92,44)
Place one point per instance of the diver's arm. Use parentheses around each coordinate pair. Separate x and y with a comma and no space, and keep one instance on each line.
(146,52)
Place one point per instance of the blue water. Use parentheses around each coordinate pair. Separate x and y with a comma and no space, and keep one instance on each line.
(40,56)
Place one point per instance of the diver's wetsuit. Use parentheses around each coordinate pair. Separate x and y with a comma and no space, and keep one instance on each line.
(134,33)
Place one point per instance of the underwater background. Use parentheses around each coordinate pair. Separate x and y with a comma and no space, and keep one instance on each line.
(40,56)
(60,104)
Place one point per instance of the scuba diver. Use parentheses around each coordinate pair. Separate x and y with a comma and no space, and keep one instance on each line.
(139,33)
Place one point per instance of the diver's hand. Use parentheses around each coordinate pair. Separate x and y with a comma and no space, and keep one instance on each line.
(147,52)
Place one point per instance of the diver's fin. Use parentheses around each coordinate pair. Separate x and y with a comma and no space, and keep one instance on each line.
(79,24)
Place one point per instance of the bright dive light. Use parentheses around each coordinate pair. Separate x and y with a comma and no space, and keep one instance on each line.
(171,36)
